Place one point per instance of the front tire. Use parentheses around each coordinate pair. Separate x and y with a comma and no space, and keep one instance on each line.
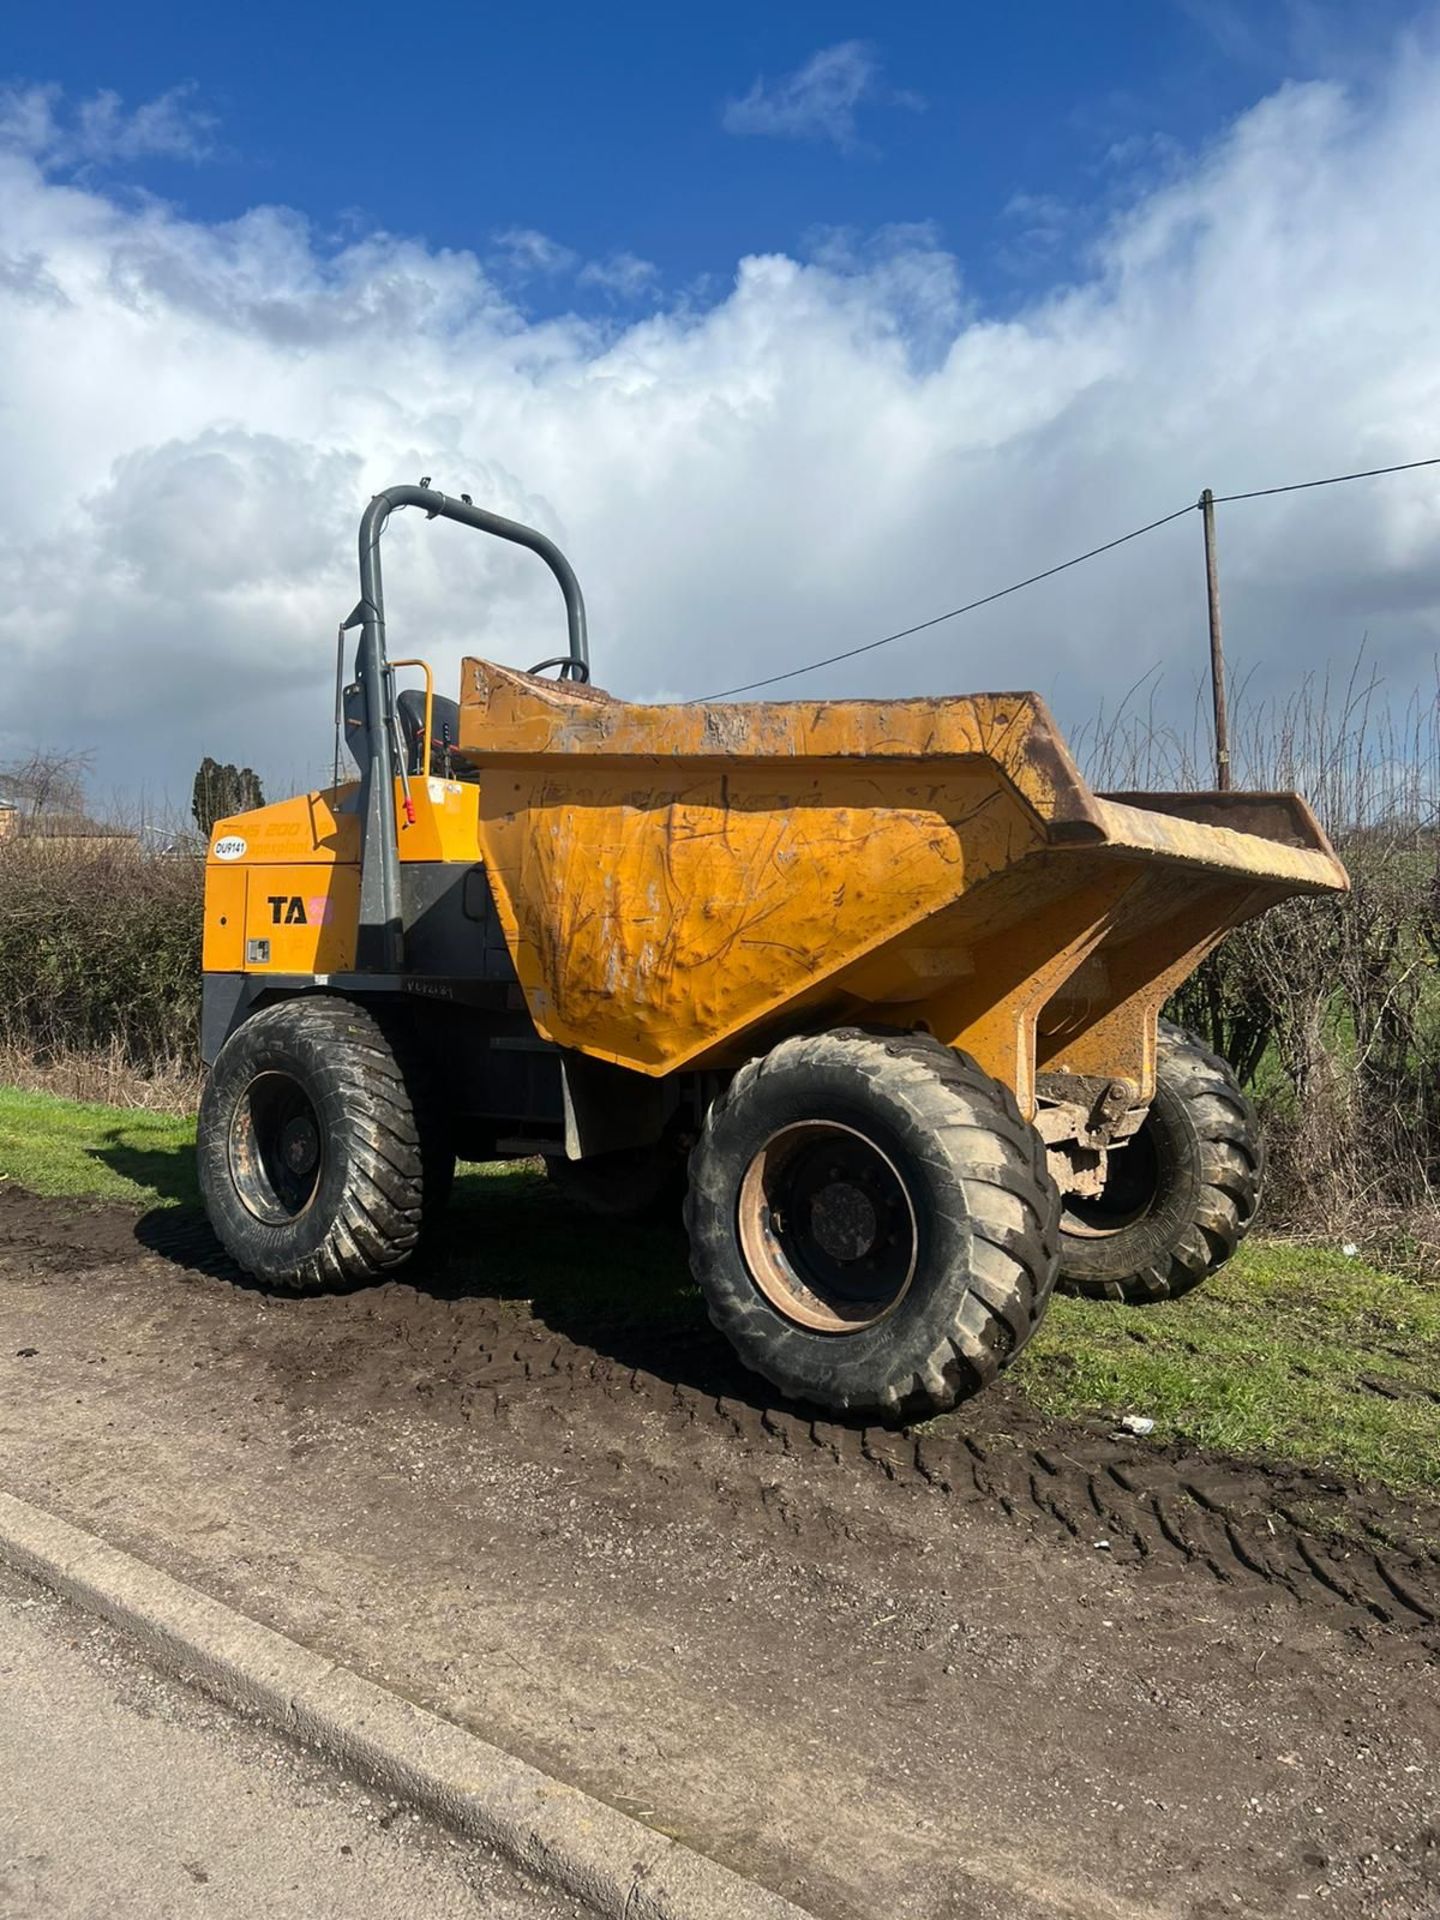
(1180,1196)
(315,1167)
(872,1223)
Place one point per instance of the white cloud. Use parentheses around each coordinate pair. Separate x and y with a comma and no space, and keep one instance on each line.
(99,132)
(1039,223)
(907,275)
(625,275)
(829,449)
(818,101)
(523,251)
(522,254)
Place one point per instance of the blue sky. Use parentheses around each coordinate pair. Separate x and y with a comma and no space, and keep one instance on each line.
(1013,129)
(793,325)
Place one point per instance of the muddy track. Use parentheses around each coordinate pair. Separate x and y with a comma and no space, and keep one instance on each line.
(665,1408)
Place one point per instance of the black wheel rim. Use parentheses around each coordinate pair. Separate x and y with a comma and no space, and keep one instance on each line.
(277,1148)
(1132,1187)
(827,1227)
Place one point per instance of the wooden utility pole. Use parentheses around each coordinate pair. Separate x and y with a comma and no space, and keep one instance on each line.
(1217,646)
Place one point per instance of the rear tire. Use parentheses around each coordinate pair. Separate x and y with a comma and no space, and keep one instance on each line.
(1176,1211)
(872,1223)
(316,1170)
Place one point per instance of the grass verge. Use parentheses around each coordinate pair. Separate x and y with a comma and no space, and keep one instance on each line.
(1293,1352)
(85,1150)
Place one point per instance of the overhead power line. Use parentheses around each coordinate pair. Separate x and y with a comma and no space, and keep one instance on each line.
(1048,573)
(904,633)
(1334,480)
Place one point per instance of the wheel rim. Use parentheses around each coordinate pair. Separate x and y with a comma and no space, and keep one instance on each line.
(827,1227)
(1132,1186)
(277,1151)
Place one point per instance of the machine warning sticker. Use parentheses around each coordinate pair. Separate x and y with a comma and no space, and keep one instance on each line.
(231,847)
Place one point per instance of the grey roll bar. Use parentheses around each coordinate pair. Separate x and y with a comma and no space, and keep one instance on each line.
(380,933)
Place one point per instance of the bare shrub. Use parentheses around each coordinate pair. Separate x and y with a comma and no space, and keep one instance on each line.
(45,782)
(103,1075)
(1329,1009)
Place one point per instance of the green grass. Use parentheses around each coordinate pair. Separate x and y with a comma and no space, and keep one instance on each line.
(1270,1358)
(106,1153)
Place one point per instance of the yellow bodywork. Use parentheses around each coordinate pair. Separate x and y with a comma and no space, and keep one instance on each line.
(305,849)
(681,885)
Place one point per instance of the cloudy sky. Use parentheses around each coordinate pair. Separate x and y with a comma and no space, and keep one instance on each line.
(790,336)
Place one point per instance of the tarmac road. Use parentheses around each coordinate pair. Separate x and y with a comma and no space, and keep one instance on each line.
(123,1793)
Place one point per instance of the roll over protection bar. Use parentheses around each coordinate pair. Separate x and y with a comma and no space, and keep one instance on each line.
(379,944)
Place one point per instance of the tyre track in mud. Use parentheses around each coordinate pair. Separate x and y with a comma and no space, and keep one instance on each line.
(666,1409)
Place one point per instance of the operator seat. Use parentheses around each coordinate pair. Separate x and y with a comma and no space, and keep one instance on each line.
(445,725)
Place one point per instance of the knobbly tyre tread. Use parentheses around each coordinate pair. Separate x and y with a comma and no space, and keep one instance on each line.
(392,1153)
(986,1180)
(1226,1170)
(432,1114)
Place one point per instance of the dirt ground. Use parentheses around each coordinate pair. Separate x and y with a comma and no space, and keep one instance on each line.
(997,1668)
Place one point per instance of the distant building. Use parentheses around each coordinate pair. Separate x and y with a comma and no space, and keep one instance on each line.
(61,832)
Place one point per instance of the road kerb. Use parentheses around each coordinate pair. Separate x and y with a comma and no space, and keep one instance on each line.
(562,1835)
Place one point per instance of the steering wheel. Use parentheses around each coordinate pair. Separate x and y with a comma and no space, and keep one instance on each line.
(563,660)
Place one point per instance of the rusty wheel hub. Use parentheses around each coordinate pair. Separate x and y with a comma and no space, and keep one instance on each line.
(827,1226)
(275,1148)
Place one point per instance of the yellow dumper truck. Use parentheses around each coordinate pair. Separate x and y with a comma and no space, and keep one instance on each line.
(876,983)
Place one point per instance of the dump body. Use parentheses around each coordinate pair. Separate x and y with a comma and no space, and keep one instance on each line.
(680,886)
